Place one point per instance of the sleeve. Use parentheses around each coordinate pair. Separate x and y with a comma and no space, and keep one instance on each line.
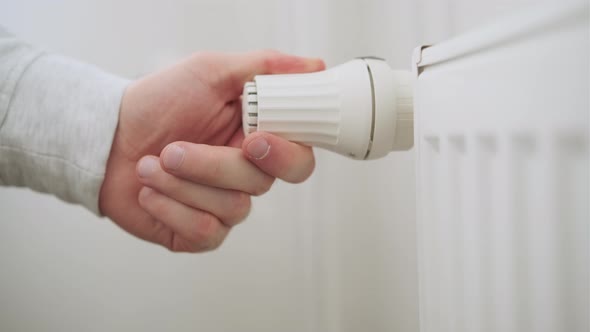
(57,122)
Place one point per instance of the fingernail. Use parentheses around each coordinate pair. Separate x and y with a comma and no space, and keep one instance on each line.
(173,156)
(147,166)
(258,148)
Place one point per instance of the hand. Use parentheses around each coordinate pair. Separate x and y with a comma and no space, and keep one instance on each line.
(176,175)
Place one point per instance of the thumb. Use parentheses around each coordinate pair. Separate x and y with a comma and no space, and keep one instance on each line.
(278,157)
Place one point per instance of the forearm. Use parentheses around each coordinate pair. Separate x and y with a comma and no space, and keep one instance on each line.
(57,122)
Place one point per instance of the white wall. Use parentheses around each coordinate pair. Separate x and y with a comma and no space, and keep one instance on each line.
(334,254)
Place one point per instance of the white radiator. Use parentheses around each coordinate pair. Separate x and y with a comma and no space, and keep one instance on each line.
(502,170)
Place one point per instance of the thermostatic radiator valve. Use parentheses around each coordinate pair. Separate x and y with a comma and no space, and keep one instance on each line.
(362,109)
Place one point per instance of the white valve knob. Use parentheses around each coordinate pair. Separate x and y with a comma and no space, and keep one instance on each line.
(361,109)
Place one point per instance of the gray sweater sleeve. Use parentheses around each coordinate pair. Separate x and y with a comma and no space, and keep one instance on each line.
(57,122)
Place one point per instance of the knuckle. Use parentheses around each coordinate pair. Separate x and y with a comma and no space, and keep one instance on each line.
(202,57)
(240,204)
(212,233)
(143,196)
(149,200)
(200,240)
(268,62)
(178,244)
(269,56)
(159,208)
(264,54)
(263,186)
(243,203)
(204,230)
(215,243)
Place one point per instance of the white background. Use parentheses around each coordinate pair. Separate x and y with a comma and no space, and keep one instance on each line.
(334,254)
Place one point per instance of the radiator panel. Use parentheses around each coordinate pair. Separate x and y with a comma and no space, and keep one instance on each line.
(502,169)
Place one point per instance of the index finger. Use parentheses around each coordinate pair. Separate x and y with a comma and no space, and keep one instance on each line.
(235,69)
(214,166)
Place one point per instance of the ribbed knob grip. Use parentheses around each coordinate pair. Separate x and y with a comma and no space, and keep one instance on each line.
(250,108)
(300,108)
(361,109)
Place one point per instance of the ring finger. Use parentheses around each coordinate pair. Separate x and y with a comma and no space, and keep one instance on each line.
(230,206)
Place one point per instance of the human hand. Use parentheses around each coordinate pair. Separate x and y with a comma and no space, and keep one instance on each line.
(176,175)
